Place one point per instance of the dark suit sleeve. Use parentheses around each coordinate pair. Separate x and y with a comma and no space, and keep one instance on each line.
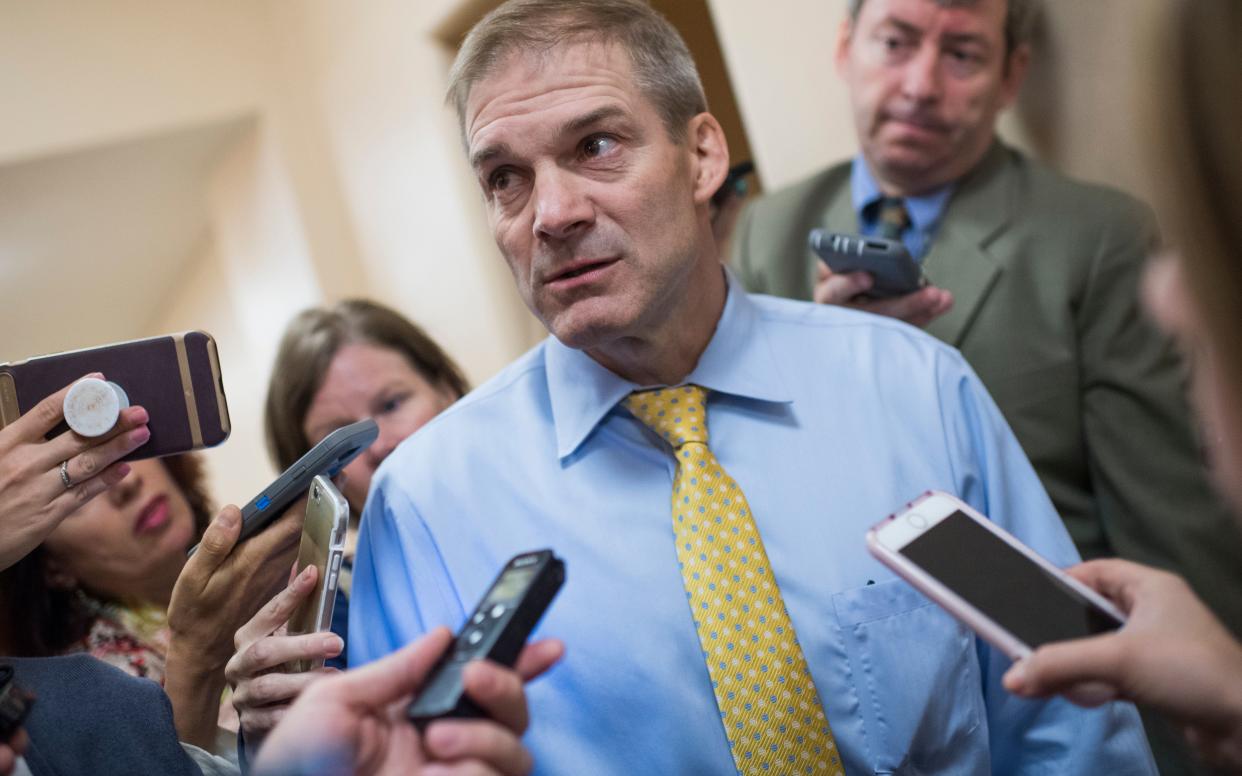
(1145,459)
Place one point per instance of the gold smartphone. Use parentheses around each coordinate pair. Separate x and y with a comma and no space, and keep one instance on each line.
(323,546)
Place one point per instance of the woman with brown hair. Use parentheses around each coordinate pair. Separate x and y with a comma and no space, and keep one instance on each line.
(335,365)
(1173,655)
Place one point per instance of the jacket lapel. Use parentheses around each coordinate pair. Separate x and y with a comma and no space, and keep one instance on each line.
(958,259)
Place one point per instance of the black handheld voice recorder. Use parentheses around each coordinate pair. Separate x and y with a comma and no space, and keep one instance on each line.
(496,630)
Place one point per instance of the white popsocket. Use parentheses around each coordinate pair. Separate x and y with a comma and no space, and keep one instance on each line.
(93,406)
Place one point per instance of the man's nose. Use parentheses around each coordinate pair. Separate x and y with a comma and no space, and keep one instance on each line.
(561,207)
(921,77)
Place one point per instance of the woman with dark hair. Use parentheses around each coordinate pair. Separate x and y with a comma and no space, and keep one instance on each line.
(357,359)
(335,365)
(112,580)
(102,580)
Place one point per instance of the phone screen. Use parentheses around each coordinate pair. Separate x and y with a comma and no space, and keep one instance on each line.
(1002,583)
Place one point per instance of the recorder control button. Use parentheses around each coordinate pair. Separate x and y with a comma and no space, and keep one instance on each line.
(474,637)
(478,618)
(93,406)
(497,610)
(916,520)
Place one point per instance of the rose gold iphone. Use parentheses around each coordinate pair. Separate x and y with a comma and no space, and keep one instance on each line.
(983,576)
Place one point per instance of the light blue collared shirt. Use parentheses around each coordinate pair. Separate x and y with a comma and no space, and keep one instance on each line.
(925,210)
(828,419)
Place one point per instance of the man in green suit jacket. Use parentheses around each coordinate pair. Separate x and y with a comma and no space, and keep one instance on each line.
(1033,276)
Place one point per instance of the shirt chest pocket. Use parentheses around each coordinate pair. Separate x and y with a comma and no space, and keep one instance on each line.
(917,676)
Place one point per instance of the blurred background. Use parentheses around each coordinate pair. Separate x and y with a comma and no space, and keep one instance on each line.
(223,164)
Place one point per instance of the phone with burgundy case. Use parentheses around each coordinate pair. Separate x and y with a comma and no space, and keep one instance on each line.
(982,575)
(176,378)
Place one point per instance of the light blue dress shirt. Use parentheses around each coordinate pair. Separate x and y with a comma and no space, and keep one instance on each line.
(828,419)
(924,210)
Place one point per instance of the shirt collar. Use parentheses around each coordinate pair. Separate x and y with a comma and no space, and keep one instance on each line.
(924,210)
(738,360)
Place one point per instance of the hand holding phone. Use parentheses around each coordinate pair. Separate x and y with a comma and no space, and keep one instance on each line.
(333,453)
(985,577)
(893,270)
(323,546)
(496,630)
(176,378)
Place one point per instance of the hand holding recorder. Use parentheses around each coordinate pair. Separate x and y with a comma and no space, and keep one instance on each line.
(357,720)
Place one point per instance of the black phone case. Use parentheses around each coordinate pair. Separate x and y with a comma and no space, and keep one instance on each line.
(442,694)
(175,377)
(895,272)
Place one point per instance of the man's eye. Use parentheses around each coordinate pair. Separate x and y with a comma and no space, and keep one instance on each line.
(892,43)
(499,180)
(597,145)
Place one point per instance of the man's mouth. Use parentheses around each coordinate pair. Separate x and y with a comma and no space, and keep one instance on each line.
(580,268)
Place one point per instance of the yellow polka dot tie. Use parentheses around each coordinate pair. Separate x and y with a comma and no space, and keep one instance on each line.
(768,704)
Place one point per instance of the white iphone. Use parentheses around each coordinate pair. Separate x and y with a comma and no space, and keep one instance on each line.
(983,576)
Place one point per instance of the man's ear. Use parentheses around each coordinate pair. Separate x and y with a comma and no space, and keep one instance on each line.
(844,40)
(710,152)
(1016,66)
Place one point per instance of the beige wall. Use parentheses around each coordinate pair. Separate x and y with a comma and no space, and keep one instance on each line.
(347,176)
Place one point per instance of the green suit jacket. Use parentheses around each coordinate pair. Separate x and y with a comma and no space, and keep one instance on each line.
(1045,276)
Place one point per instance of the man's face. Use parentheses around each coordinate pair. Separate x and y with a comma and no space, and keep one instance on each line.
(599,214)
(926,83)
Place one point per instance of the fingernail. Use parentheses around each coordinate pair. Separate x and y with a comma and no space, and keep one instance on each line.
(141,435)
(447,739)
(122,470)
(304,577)
(331,644)
(1015,678)
(228,518)
(140,415)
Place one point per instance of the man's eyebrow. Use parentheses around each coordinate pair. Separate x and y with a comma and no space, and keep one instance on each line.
(487,153)
(903,26)
(580,123)
(968,38)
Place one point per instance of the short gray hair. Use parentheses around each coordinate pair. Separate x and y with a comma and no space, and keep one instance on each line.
(1019,18)
(663,67)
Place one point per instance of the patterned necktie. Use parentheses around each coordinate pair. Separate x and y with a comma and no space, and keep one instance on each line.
(893,220)
(768,704)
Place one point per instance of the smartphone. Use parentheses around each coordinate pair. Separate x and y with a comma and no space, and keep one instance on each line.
(332,454)
(895,271)
(983,576)
(323,546)
(496,630)
(175,377)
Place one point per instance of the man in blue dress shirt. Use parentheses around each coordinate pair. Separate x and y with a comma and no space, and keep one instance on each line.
(587,129)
